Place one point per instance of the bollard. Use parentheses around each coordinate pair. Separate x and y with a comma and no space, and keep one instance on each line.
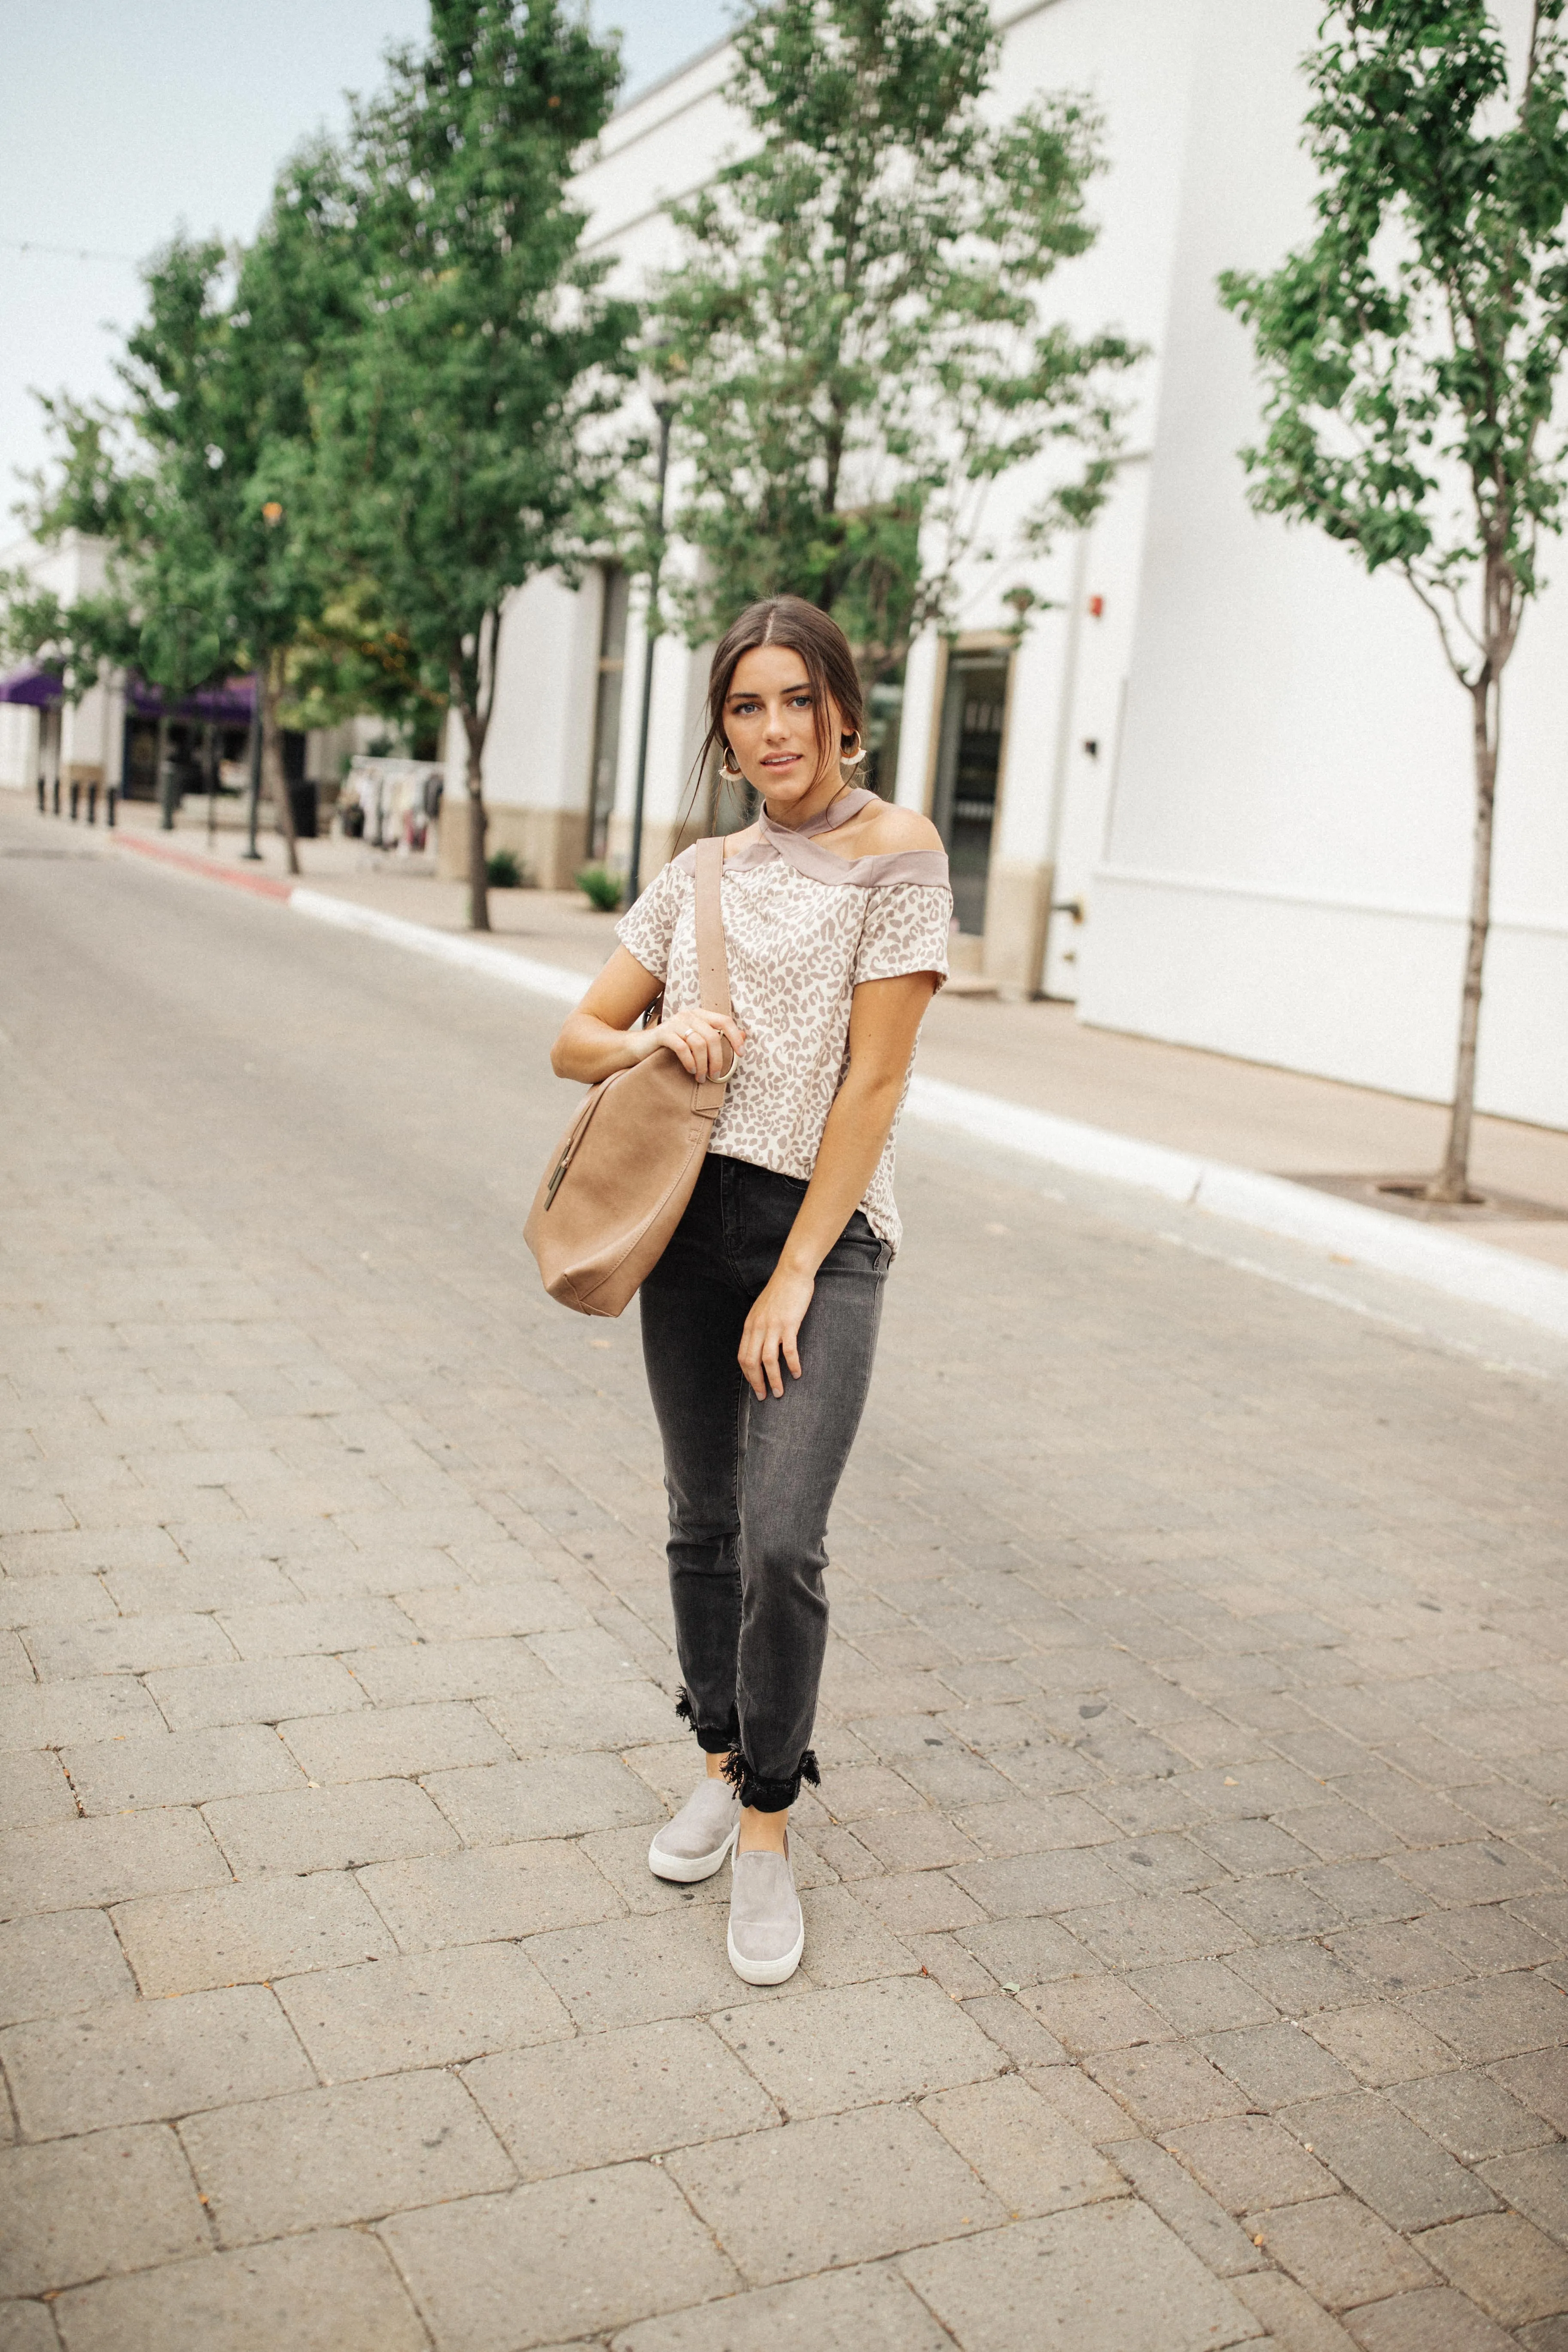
(57,795)
(110,802)
(92,804)
(43,798)
(75,800)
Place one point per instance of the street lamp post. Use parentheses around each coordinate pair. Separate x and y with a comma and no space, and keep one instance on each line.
(664,409)
(250,850)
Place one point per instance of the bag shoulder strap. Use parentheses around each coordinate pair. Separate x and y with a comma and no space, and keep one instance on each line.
(712,963)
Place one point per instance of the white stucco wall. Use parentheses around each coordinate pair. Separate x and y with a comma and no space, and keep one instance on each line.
(1286,866)
(538,747)
(90,732)
(19,764)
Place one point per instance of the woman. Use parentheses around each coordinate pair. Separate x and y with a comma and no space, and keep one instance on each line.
(758,1323)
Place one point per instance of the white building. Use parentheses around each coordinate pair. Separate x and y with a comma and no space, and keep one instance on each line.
(42,739)
(1229,775)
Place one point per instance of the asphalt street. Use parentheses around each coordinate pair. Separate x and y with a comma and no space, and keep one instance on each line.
(1188,1890)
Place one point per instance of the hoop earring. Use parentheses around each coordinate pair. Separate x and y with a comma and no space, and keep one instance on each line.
(852,759)
(729,775)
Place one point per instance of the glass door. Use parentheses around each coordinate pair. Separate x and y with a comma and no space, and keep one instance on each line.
(968,770)
(139,772)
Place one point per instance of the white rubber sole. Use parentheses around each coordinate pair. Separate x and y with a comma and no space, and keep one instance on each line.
(766,1972)
(691,1873)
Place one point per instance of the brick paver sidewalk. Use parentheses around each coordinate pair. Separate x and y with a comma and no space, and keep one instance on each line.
(1187,1894)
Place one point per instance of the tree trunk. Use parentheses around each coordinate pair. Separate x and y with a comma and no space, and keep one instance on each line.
(1451,1182)
(479,824)
(269,677)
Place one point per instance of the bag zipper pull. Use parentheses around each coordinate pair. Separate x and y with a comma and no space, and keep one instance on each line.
(560,1170)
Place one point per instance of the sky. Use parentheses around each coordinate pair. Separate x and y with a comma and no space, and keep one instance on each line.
(125,123)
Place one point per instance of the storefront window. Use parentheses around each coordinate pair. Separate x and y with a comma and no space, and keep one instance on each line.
(197,755)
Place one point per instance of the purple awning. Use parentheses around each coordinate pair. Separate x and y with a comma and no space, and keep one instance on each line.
(38,689)
(229,705)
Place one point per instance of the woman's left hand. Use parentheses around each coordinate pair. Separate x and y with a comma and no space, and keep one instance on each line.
(773,1330)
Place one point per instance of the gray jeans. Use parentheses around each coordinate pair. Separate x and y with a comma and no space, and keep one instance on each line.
(750,1483)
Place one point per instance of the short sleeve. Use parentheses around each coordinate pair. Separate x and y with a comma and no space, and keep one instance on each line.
(905,930)
(648,928)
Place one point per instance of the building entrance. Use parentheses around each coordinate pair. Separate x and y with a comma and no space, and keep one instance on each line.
(968,769)
(195,753)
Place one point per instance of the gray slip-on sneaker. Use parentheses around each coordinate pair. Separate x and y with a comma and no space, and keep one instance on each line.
(767,1933)
(697,1841)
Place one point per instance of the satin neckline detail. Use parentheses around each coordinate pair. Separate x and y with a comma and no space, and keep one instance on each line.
(801,848)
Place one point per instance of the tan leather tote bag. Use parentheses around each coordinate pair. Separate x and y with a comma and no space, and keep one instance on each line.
(615,1188)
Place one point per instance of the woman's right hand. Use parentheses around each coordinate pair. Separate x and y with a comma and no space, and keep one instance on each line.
(706,1045)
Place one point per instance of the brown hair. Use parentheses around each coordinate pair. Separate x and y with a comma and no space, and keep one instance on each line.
(802,629)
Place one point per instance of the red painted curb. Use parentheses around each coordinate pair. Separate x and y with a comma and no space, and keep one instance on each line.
(261,885)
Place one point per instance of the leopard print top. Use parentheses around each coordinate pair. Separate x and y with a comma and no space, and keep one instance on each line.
(798,947)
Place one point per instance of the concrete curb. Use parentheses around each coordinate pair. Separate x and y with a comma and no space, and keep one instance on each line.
(205,869)
(1446,1262)
(443,947)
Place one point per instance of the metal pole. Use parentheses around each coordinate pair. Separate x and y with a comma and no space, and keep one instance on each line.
(664,409)
(250,850)
(166,800)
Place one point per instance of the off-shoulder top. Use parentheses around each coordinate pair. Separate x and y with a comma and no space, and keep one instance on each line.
(802,928)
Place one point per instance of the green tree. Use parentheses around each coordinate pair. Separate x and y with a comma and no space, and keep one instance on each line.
(98,486)
(1412,352)
(223,575)
(71,640)
(460,417)
(855,324)
(348,660)
(203,479)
